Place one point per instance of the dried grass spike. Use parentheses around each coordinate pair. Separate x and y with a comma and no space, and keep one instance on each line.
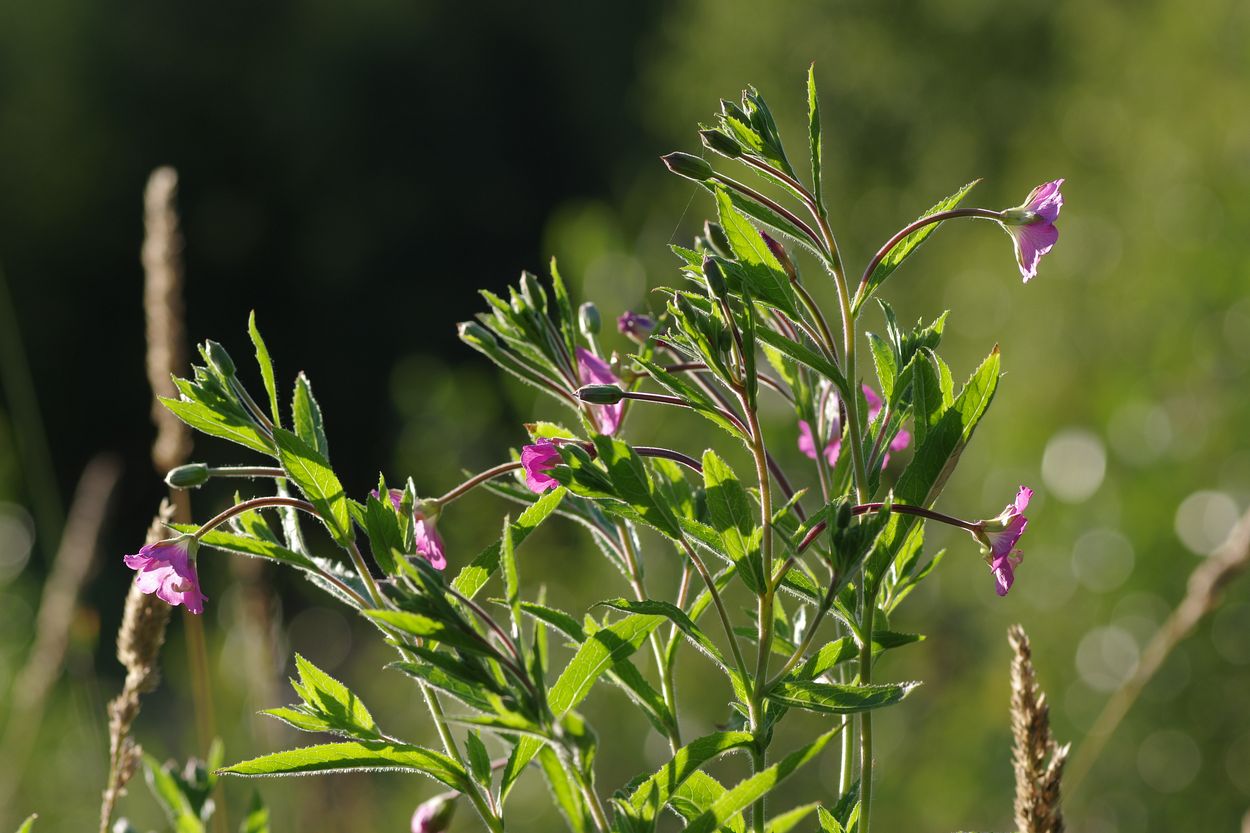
(1038,760)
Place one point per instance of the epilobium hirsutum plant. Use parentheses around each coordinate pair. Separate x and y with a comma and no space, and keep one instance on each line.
(828,552)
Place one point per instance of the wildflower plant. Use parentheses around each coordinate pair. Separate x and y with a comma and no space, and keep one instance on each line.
(826,553)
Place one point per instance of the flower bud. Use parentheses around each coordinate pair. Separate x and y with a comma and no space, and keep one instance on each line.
(434,816)
(717,239)
(715,277)
(188,476)
(588,319)
(720,143)
(634,324)
(691,167)
(783,257)
(600,394)
(219,359)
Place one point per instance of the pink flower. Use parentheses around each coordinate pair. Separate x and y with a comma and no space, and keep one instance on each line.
(434,816)
(634,324)
(167,568)
(537,460)
(807,443)
(429,543)
(1000,536)
(1032,226)
(595,371)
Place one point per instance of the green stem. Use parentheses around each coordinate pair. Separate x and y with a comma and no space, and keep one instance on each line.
(710,581)
(493,822)
(865,719)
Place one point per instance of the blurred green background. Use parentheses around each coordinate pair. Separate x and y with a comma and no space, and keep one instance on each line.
(354,172)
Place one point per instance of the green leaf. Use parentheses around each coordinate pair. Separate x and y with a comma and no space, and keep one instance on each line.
(329,706)
(28,824)
(844,649)
(170,794)
(511,581)
(633,484)
(733,517)
(216,417)
(700,792)
(837,698)
(787,820)
(748,791)
(445,675)
(564,791)
(934,460)
(479,759)
(386,536)
(473,577)
(813,137)
(306,414)
(354,756)
(649,797)
(886,364)
(762,273)
(257,818)
(266,368)
(310,471)
(255,547)
(806,356)
(700,640)
(903,248)
(599,652)
(699,402)
(424,627)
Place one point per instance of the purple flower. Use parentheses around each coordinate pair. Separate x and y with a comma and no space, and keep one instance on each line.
(434,816)
(429,543)
(537,460)
(167,568)
(634,324)
(595,371)
(1032,226)
(807,443)
(1000,536)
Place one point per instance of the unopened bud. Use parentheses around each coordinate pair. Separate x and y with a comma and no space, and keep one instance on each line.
(474,333)
(691,167)
(733,111)
(600,394)
(717,239)
(783,257)
(188,476)
(635,324)
(220,360)
(722,144)
(434,816)
(715,277)
(588,319)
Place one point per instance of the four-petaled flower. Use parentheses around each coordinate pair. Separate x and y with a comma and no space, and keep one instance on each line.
(807,443)
(595,371)
(999,537)
(429,544)
(634,324)
(537,460)
(167,568)
(1032,226)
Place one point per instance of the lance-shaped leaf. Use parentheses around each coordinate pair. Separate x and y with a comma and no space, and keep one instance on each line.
(357,756)
(699,402)
(736,799)
(804,355)
(564,790)
(306,413)
(208,410)
(598,653)
(762,274)
(255,547)
(733,516)
(328,706)
(691,631)
(649,797)
(311,472)
(934,460)
(473,577)
(813,136)
(837,698)
(633,485)
(904,247)
(266,367)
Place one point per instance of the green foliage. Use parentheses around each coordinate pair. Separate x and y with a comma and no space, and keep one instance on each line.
(328,706)
(356,756)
